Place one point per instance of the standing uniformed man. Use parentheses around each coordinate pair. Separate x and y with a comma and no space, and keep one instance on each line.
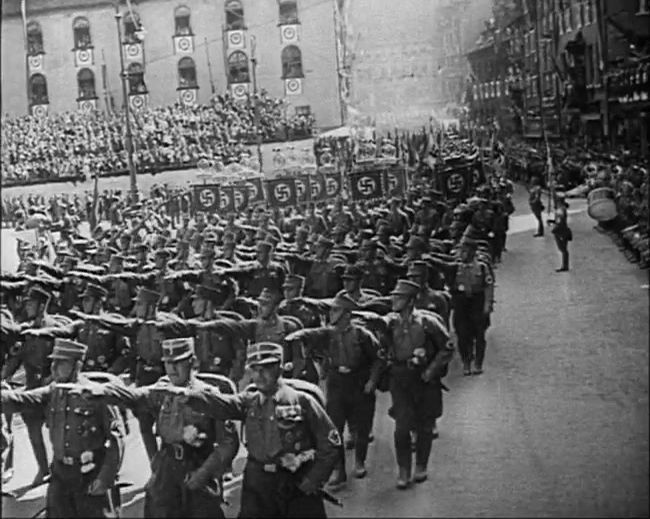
(87,436)
(323,278)
(536,205)
(428,298)
(186,476)
(291,441)
(354,368)
(418,352)
(352,285)
(267,273)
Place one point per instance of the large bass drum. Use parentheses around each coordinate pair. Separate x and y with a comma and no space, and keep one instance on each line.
(602,205)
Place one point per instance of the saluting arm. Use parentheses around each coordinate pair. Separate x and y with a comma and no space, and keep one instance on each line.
(16,401)
(218,405)
(313,340)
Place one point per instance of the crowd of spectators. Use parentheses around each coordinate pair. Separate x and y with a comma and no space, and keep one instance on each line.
(76,145)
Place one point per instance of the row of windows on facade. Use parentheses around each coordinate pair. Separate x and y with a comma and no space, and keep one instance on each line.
(288,14)
(238,72)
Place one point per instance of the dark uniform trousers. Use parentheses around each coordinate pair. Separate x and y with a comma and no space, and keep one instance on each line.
(166,494)
(470,325)
(347,402)
(415,407)
(67,493)
(276,493)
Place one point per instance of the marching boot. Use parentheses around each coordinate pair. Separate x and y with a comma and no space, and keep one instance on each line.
(404,478)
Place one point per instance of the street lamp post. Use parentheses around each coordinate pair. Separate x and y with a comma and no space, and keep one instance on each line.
(125,95)
(255,104)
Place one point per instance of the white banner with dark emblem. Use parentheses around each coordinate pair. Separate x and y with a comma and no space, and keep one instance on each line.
(87,105)
(239,90)
(206,198)
(36,63)
(84,57)
(235,40)
(289,34)
(138,101)
(40,110)
(183,44)
(134,52)
(282,192)
(293,86)
(366,185)
(188,96)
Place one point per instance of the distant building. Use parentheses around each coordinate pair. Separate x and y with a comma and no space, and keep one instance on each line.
(63,55)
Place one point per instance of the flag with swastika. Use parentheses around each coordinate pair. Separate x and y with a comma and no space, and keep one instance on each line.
(282,192)
(395,181)
(366,185)
(206,197)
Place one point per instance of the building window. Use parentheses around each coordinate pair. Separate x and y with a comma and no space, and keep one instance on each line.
(291,62)
(81,33)
(38,90)
(136,79)
(86,83)
(34,39)
(234,15)
(182,21)
(238,68)
(303,111)
(132,27)
(186,73)
(288,12)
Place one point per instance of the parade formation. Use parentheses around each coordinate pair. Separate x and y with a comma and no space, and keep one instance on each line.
(256,309)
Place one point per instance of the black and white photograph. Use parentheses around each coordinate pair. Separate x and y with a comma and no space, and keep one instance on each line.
(324,258)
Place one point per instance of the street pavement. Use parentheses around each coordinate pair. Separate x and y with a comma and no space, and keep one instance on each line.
(556,426)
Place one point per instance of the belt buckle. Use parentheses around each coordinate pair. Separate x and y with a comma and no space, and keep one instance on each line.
(147,367)
(270,467)
(178,452)
(344,370)
(67,460)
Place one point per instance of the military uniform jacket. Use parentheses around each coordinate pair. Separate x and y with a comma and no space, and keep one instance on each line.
(76,421)
(289,422)
(422,330)
(270,276)
(352,350)
(472,278)
(308,316)
(323,278)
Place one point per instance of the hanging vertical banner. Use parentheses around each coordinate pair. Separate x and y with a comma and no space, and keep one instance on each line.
(282,192)
(455,182)
(395,181)
(366,185)
(303,189)
(317,187)
(206,197)
(333,185)
(255,189)
(233,198)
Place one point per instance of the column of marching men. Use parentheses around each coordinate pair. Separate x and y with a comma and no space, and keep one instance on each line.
(241,321)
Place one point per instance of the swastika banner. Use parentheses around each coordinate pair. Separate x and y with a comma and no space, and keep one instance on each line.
(395,181)
(282,192)
(255,189)
(455,182)
(318,188)
(233,198)
(206,197)
(333,185)
(303,189)
(366,185)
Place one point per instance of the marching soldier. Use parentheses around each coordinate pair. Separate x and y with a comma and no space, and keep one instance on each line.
(561,230)
(323,278)
(292,443)
(428,298)
(186,474)
(354,368)
(87,436)
(472,290)
(352,285)
(536,205)
(418,352)
(33,355)
(266,273)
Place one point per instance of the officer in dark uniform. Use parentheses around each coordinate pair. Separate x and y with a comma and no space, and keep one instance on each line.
(323,278)
(536,205)
(354,368)
(86,436)
(428,298)
(418,352)
(352,285)
(291,441)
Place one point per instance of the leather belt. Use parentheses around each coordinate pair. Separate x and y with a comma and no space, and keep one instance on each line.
(270,468)
(68,460)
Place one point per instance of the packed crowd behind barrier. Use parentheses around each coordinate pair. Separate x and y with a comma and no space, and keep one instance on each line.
(74,145)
